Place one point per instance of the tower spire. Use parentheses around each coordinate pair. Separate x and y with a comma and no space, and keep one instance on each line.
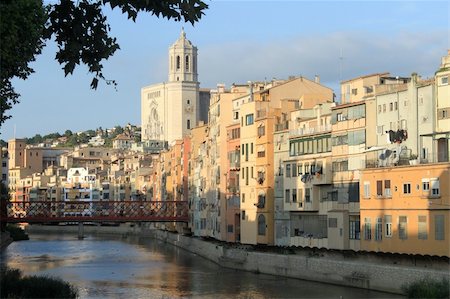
(182,34)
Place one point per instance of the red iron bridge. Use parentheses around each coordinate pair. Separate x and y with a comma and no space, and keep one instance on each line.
(94,211)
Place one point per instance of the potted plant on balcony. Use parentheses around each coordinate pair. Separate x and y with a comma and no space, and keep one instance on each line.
(413,159)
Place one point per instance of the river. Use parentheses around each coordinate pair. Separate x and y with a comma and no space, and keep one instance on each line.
(133,267)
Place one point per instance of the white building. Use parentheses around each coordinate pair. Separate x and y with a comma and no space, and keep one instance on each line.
(170,110)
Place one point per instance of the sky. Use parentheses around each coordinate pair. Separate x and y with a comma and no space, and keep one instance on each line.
(237,41)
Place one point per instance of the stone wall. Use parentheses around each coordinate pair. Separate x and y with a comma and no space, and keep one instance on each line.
(381,274)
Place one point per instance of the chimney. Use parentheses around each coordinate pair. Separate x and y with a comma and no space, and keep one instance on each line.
(317,79)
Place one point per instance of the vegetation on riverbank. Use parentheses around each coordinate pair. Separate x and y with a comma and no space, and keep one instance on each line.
(14,285)
(427,288)
(16,233)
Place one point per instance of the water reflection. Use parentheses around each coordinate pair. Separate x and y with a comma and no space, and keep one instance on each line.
(114,267)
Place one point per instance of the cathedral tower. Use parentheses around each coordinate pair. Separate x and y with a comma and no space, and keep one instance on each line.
(183,60)
(169,109)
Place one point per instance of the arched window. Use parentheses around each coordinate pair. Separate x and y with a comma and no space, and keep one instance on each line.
(188,123)
(178,62)
(187,63)
(261,225)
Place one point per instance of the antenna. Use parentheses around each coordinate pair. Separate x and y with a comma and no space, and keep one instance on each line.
(341,58)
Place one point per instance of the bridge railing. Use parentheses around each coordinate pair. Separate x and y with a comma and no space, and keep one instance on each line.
(68,211)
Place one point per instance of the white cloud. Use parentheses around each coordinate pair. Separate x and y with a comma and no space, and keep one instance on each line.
(363,53)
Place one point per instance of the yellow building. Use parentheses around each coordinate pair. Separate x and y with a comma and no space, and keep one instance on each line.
(263,113)
(406,209)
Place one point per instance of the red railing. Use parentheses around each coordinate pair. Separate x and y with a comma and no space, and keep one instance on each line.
(95,211)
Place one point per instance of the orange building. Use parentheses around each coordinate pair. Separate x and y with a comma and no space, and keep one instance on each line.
(406,209)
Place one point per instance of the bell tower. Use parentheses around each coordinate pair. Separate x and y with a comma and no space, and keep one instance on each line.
(183,60)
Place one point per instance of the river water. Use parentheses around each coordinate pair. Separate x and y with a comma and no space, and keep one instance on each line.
(132,267)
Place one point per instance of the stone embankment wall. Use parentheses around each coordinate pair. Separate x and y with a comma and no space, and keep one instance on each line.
(381,274)
(377,272)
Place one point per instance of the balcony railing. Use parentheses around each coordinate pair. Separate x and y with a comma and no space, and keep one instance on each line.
(310,131)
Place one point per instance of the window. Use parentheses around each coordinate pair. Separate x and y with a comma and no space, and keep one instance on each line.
(294,167)
(439,227)
(178,62)
(402,227)
(236,115)
(261,225)
(425,185)
(251,148)
(395,106)
(243,215)
(444,80)
(367,229)
(423,234)
(391,106)
(294,195)
(379,188)
(354,91)
(384,107)
(366,189)
(379,229)
(287,195)
(308,195)
(261,201)
(299,169)
(288,170)
(249,119)
(354,233)
(187,63)
(407,188)
(434,187)
(261,131)
(246,176)
(379,108)
(332,222)
(387,188)
(243,197)
(188,125)
(230,228)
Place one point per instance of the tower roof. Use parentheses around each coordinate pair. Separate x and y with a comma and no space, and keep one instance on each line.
(182,41)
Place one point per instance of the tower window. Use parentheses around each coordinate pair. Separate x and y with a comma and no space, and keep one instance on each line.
(188,123)
(187,63)
(178,62)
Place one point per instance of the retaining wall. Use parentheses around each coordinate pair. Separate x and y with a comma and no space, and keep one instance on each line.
(334,269)
(381,273)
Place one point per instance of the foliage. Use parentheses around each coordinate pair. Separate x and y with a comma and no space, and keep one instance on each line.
(4,197)
(16,233)
(14,285)
(21,39)
(427,288)
(80,30)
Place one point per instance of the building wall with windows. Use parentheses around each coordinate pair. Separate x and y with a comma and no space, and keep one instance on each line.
(404,113)
(406,209)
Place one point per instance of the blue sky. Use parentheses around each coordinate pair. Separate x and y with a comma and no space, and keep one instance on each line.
(237,41)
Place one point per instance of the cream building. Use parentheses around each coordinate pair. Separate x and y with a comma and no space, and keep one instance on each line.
(169,110)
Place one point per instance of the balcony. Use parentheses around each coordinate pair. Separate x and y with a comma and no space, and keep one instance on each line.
(281,126)
(309,131)
(261,113)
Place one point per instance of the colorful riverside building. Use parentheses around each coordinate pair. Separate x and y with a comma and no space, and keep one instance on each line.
(405,198)
(261,115)
(305,179)
(406,209)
